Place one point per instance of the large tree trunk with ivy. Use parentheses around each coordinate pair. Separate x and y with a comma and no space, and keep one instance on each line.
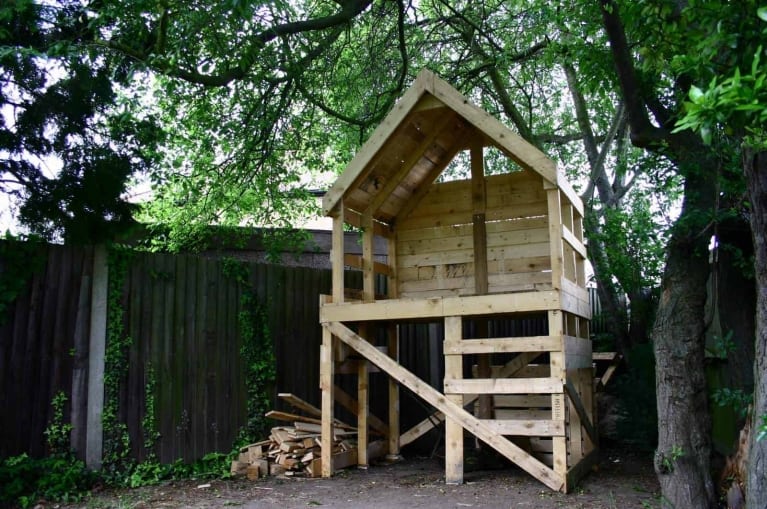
(755,166)
(682,460)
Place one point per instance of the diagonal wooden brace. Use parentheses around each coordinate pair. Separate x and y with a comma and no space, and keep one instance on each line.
(453,411)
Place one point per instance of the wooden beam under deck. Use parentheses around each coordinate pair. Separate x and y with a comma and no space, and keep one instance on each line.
(439,307)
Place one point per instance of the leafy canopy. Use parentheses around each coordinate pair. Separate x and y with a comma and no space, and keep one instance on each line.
(68,144)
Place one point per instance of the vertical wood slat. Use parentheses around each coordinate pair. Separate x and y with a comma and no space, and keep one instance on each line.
(392,288)
(165,402)
(479,205)
(46,329)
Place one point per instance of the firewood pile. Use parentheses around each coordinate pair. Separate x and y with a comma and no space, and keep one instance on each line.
(294,450)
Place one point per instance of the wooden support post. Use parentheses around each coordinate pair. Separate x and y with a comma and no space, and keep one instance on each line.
(479,205)
(392,332)
(479,233)
(326,386)
(453,429)
(484,370)
(348,402)
(558,405)
(363,401)
(337,255)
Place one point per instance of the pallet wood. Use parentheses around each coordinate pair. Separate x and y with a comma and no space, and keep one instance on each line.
(300,404)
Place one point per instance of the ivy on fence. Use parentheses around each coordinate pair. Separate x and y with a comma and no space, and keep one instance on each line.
(116,452)
(257,351)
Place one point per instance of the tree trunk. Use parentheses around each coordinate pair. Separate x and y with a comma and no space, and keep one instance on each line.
(755,166)
(682,460)
(613,312)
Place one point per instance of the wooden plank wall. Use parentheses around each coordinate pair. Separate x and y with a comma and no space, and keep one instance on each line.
(42,336)
(435,243)
(184,311)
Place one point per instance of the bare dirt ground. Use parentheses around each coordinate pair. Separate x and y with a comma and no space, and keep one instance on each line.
(623,480)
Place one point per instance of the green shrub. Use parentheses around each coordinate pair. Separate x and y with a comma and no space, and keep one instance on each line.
(58,478)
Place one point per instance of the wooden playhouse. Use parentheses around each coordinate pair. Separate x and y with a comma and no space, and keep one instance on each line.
(463,252)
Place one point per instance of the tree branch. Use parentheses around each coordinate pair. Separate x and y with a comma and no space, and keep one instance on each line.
(582,115)
(643,133)
(349,9)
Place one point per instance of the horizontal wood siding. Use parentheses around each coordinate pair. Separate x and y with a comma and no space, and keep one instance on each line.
(435,244)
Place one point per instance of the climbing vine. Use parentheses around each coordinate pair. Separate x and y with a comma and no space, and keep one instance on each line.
(149,421)
(116,451)
(257,352)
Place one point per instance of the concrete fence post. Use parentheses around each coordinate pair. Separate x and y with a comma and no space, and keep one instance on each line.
(98,331)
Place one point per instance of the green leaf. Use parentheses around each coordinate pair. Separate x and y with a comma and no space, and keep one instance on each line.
(762,13)
(696,94)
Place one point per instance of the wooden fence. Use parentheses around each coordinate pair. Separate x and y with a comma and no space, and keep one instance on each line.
(181,313)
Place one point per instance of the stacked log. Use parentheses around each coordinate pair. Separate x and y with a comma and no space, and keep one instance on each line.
(295,450)
(291,451)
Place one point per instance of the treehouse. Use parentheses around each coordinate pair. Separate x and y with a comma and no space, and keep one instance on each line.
(469,254)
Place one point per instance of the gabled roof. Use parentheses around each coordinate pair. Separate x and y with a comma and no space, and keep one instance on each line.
(416,141)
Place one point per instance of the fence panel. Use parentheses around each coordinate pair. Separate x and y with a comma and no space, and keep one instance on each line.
(42,334)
